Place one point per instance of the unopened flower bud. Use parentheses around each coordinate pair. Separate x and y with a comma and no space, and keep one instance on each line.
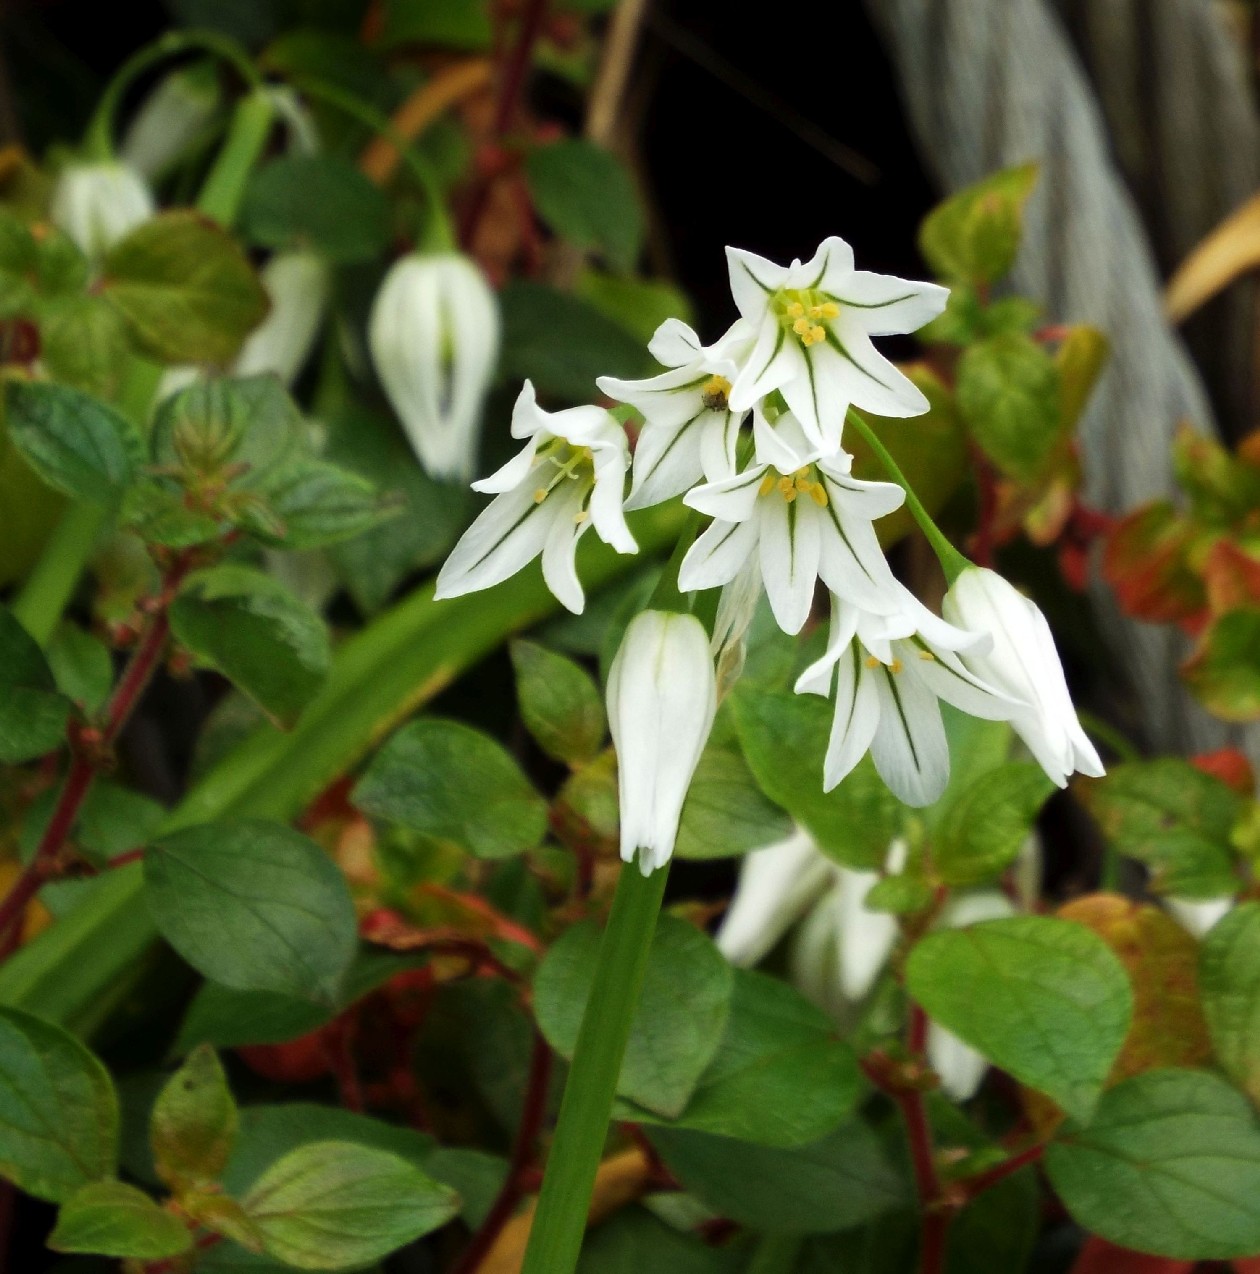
(98,204)
(175,114)
(297,286)
(662,697)
(434,337)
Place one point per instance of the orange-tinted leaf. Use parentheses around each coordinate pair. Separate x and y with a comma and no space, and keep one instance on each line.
(1222,489)
(1232,577)
(1146,563)
(1230,766)
(1100,1257)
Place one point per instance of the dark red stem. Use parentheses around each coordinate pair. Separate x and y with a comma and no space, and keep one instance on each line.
(533,1112)
(1008,1167)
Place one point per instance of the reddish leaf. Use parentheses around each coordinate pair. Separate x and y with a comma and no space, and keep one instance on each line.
(1232,768)
(1146,563)
(1100,1257)
(1232,578)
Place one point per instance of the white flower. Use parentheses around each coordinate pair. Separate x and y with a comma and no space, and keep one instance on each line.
(175,114)
(813,325)
(690,431)
(1023,663)
(297,286)
(569,476)
(99,203)
(1198,916)
(661,700)
(804,518)
(889,673)
(434,337)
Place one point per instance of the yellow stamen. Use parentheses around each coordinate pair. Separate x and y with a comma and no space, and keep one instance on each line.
(795,310)
(927,654)
(817,335)
(896,666)
(829,310)
(787,488)
(580,516)
(767,484)
(818,493)
(801,328)
(540,495)
(715,393)
(871,661)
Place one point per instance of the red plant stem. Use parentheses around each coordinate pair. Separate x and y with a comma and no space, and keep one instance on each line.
(92,746)
(1008,1167)
(340,1052)
(935,1224)
(8,1198)
(532,1114)
(512,86)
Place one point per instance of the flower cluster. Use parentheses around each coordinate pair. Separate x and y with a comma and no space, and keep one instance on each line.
(749,431)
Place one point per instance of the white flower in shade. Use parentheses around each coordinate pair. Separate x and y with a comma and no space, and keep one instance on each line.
(813,324)
(661,701)
(888,674)
(690,431)
(434,336)
(297,286)
(801,515)
(1022,662)
(1199,916)
(569,476)
(99,203)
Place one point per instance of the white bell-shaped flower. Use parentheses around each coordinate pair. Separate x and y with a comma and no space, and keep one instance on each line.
(296,283)
(1023,663)
(689,429)
(434,336)
(97,204)
(569,476)
(662,697)
(812,323)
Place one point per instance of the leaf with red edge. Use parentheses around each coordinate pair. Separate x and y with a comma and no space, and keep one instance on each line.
(1100,1257)
(1146,563)
(1222,489)
(1230,766)
(1231,576)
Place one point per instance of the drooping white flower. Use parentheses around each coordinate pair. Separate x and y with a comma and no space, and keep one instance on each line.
(434,336)
(661,701)
(690,431)
(1198,916)
(177,112)
(888,674)
(569,476)
(813,324)
(296,283)
(97,204)
(1022,662)
(803,517)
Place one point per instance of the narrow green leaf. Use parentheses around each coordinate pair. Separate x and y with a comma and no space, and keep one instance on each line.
(253,905)
(108,1218)
(1229,982)
(250,628)
(193,1126)
(60,1125)
(560,703)
(333,1204)
(677,1026)
(1044,999)
(457,784)
(76,443)
(32,713)
(1170,1165)
(185,289)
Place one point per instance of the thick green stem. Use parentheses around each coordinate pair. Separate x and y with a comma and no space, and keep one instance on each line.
(247,135)
(560,1221)
(953,563)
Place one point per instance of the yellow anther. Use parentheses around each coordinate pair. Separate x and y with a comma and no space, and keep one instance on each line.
(871,661)
(896,666)
(818,493)
(795,310)
(580,516)
(802,327)
(767,484)
(816,335)
(829,310)
(802,484)
(715,393)
(787,489)
(928,655)
(540,495)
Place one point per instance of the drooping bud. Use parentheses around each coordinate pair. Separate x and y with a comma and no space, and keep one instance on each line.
(297,286)
(174,115)
(662,697)
(434,337)
(99,203)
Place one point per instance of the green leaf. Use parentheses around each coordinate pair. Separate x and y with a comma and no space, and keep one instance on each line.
(1008,396)
(82,666)
(454,783)
(455,24)
(780,1077)
(332,1204)
(562,344)
(1170,1165)
(633,1241)
(638,305)
(679,1019)
(112,820)
(253,905)
(840,1181)
(560,703)
(477,1177)
(193,1126)
(75,443)
(784,737)
(316,504)
(725,812)
(1175,818)
(185,289)
(250,628)
(32,713)
(1224,671)
(1229,982)
(974,235)
(984,829)
(109,1218)
(1044,999)
(319,203)
(587,197)
(60,1128)
(83,344)
(1080,360)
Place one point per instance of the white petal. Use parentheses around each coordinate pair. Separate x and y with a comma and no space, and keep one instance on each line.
(527,416)
(753,281)
(868,379)
(947,677)
(513,474)
(831,267)
(776,359)
(884,304)
(816,679)
(667,399)
(819,393)
(909,749)
(960,1067)
(674,344)
(719,438)
(1198,917)
(606,509)
(717,556)
(560,548)
(732,500)
(508,534)
(964,910)
(851,562)
(667,460)
(814,960)
(856,719)
(867,938)
(782,444)
(789,547)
